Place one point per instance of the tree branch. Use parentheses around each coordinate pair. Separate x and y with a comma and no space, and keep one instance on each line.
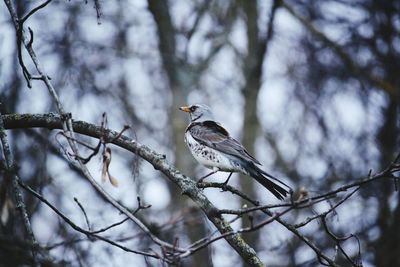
(79,229)
(343,55)
(10,174)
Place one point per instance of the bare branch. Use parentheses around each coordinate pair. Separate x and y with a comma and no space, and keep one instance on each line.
(79,229)
(97,6)
(84,213)
(33,11)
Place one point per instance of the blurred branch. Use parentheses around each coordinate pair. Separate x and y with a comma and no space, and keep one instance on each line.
(257,45)
(343,55)
(15,247)
(20,205)
(207,241)
(97,6)
(84,212)
(339,240)
(258,39)
(167,43)
(81,230)
(140,207)
(199,13)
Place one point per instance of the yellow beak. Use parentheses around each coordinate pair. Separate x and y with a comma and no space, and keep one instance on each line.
(185,109)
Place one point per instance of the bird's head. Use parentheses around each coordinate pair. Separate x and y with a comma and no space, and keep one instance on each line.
(198,112)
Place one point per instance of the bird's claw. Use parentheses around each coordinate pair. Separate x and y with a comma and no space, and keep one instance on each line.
(224,187)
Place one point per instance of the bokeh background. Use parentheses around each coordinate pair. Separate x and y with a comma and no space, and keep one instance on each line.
(311,88)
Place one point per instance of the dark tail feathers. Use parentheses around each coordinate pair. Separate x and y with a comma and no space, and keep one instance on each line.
(262,177)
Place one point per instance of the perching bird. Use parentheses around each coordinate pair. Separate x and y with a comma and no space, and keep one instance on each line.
(212,146)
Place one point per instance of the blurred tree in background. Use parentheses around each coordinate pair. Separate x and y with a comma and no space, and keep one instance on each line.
(311,88)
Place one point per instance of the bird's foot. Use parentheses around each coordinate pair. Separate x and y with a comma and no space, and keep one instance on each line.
(199,182)
(224,187)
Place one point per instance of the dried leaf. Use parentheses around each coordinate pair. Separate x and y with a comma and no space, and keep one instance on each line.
(105,174)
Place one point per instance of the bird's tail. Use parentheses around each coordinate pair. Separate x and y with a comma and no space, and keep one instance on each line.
(262,177)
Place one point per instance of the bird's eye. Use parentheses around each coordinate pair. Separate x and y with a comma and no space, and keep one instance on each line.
(193,108)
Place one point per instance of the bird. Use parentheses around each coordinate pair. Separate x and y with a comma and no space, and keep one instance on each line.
(212,146)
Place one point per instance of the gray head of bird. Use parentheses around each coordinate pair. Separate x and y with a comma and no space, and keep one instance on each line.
(199,112)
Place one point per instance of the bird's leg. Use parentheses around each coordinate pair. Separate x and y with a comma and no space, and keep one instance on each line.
(204,177)
(226,182)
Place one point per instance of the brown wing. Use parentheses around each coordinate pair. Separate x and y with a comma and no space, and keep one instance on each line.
(213,135)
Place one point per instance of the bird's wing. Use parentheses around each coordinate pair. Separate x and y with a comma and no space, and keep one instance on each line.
(211,134)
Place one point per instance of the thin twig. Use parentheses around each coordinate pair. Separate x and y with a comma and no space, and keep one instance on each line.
(338,240)
(97,6)
(84,213)
(110,226)
(310,219)
(207,241)
(33,11)
(76,227)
